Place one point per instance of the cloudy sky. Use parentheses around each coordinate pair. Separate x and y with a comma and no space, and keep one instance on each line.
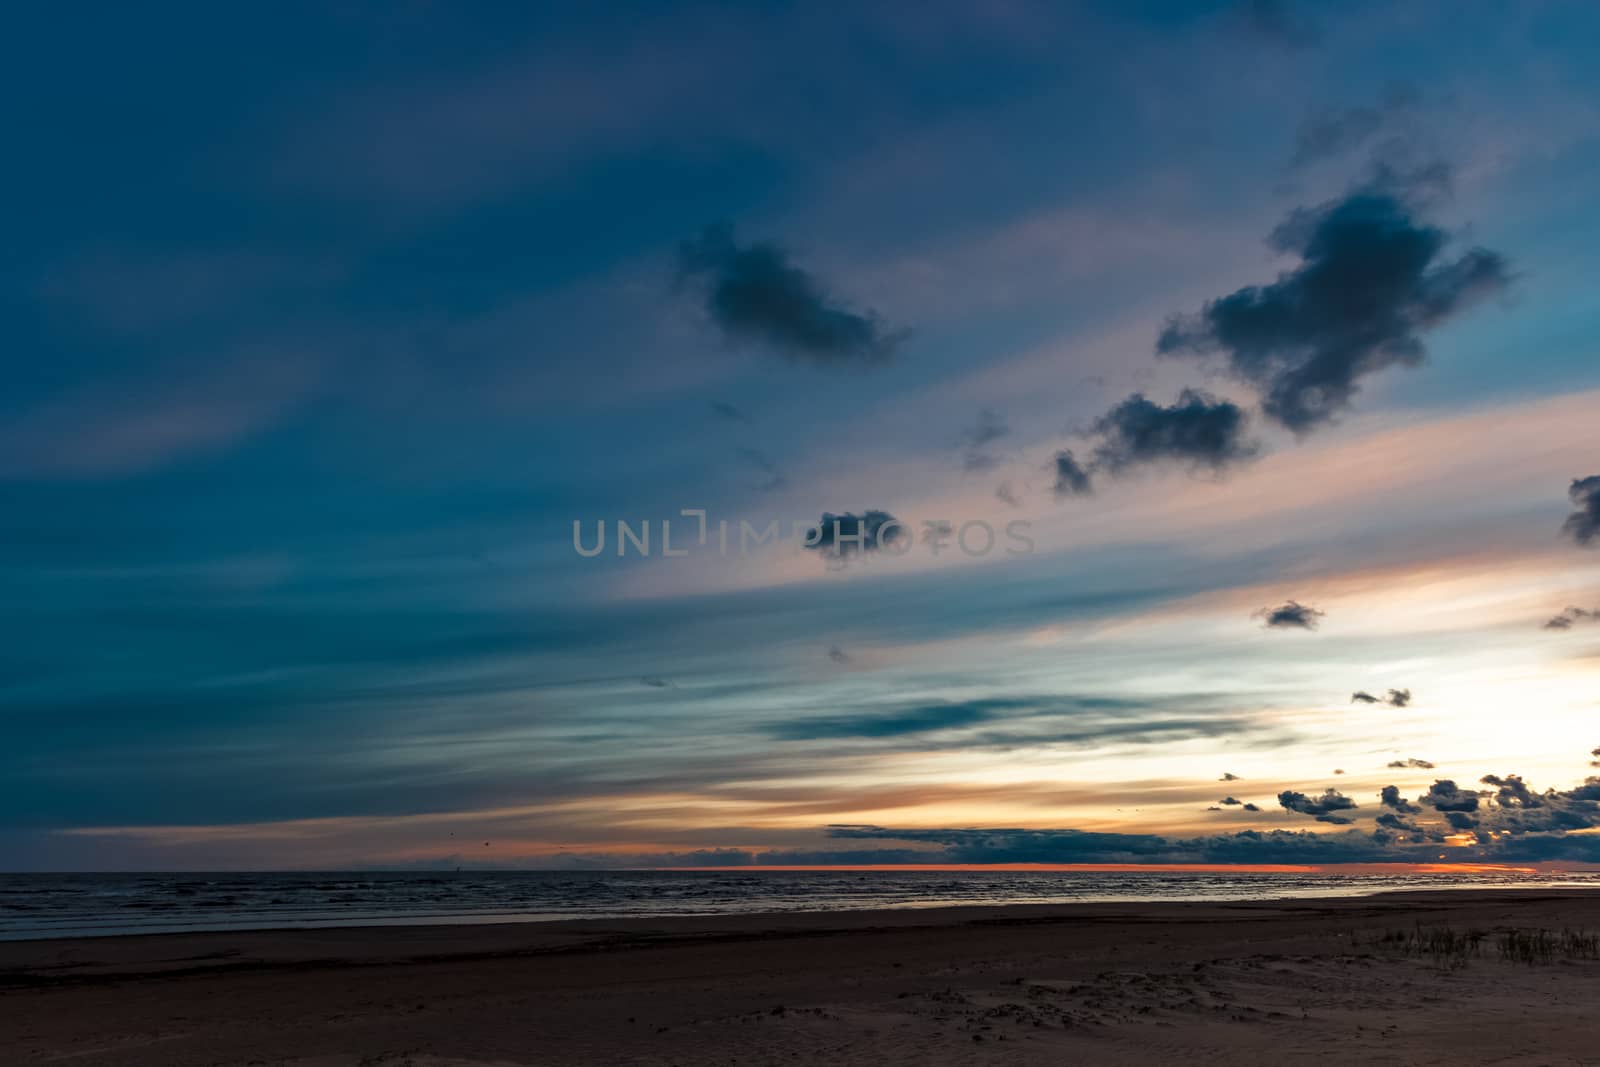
(1179,418)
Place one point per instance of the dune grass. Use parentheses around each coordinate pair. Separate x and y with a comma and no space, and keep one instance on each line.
(1450,947)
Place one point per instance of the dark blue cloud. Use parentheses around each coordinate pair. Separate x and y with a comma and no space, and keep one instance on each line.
(1390,826)
(1583,525)
(1199,430)
(1370,282)
(1514,824)
(1391,799)
(1445,795)
(1513,791)
(1010,845)
(1291,615)
(1071,477)
(838,537)
(1324,808)
(755,293)
(1516,808)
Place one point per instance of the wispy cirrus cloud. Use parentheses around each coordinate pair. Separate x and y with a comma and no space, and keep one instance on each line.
(772,477)
(990,427)
(110,430)
(555,103)
(1570,617)
(927,718)
(1276,22)
(1395,698)
(1332,132)
(733,413)
(1029,721)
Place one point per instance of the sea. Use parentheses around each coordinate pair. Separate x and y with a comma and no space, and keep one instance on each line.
(73,905)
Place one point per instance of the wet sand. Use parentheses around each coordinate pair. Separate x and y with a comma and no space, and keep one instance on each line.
(1258,982)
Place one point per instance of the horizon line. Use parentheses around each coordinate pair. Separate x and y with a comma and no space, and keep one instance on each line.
(1087,868)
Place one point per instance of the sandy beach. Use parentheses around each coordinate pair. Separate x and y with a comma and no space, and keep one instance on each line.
(1341,980)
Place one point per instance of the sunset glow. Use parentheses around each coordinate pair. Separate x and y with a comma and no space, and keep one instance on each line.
(604,442)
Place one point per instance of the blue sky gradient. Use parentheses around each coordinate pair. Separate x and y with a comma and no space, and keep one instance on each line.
(323,325)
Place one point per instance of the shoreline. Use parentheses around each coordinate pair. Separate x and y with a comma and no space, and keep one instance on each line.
(1256,981)
(469,919)
(381,943)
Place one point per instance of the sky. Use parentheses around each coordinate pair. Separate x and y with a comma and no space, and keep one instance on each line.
(1089,432)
